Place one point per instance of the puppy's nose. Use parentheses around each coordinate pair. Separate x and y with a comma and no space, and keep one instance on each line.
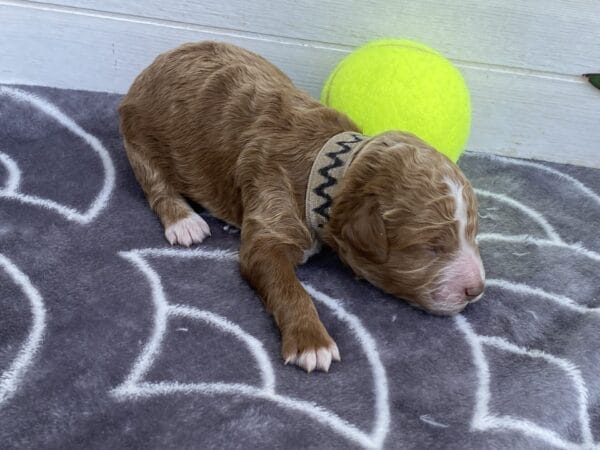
(474,291)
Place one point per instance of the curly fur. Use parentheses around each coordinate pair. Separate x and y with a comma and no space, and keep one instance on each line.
(223,127)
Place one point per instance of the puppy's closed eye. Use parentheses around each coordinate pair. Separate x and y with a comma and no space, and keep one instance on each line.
(434,250)
(425,246)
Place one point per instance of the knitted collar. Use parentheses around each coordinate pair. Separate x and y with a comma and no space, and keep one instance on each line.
(327,171)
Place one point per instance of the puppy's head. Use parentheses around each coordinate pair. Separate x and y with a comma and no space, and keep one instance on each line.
(405,219)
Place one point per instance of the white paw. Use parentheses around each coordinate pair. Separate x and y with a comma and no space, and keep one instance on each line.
(191,230)
(319,359)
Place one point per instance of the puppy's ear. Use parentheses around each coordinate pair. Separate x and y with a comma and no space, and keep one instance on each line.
(365,231)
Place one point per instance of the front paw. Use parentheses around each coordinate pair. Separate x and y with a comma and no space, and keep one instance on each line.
(308,345)
(192,229)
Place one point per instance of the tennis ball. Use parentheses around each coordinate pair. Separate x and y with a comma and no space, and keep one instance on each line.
(397,84)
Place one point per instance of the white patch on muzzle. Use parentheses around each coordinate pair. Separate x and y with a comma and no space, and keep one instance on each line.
(466,269)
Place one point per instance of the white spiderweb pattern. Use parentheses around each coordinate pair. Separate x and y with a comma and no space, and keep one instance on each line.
(483,419)
(134,385)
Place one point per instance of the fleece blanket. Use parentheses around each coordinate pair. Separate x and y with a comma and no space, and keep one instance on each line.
(110,338)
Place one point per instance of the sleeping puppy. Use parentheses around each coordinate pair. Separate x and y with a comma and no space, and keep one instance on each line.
(223,127)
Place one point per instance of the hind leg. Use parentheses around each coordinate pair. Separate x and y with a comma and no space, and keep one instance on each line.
(182,225)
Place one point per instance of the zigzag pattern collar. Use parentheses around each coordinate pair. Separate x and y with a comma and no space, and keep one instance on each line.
(327,170)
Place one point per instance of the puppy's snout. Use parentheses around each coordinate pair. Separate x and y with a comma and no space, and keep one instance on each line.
(474,279)
(462,282)
(474,291)
(474,272)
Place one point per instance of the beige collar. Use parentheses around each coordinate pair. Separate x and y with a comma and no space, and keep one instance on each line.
(327,171)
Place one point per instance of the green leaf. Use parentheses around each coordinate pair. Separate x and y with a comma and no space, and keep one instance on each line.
(593,78)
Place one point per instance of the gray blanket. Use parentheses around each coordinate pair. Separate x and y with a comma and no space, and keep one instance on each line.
(109,338)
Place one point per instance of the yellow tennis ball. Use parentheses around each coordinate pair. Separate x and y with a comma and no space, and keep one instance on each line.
(396,84)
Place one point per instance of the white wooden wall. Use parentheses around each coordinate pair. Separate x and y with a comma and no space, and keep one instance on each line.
(521,59)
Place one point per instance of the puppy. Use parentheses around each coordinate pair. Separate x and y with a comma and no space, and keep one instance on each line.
(223,127)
